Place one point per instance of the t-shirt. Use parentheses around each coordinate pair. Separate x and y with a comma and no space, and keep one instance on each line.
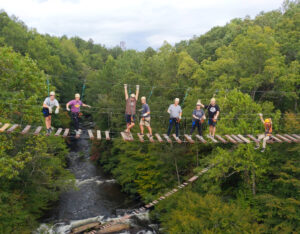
(145,109)
(198,113)
(268,129)
(75,105)
(174,111)
(212,110)
(130,106)
(50,102)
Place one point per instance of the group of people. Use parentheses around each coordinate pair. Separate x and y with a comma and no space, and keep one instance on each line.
(51,102)
(174,111)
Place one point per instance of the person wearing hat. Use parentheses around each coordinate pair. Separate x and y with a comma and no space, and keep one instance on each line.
(268,132)
(75,110)
(130,107)
(175,112)
(198,118)
(213,113)
(145,120)
(49,103)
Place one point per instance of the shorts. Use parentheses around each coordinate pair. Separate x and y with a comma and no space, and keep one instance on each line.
(46,112)
(145,121)
(129,118)
(212,123)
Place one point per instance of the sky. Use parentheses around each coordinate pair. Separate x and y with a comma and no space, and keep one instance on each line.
(140,23)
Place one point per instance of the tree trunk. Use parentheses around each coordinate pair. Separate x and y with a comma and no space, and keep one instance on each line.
(253,183)
(177,173)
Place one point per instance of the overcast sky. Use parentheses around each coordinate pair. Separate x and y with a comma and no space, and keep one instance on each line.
(140,23)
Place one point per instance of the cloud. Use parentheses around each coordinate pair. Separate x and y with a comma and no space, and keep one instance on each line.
(140,23)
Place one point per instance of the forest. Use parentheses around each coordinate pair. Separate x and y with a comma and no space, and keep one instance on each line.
(249,65)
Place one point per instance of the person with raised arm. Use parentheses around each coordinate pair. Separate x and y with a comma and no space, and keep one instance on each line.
(48,105)
(213,114)
(198,118)
(75,110)
(268,132)
(130,111)
(145,120)
(175,112)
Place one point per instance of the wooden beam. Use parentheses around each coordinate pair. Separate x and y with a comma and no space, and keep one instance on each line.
(98,135)
(201,139)
(296,136)
(192,179)
(160,140)
(107,137)
(221,139)
(167,138)
(4,127)
(253,138)
(11,129)
(291,138)
(58,132)
(276,139)
(189,139)
(26,129)
(177,139)
(283,138)
(127,136)
(37,130)
(91,135)
(66,132)
(212,139)
(236,138)
(230,139)
(141,137)
(150,138)
(85,227)
(244,138)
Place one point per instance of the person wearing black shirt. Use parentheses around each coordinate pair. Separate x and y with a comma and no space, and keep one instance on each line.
(213,113)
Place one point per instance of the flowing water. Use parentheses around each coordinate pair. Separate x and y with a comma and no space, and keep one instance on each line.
(97,197)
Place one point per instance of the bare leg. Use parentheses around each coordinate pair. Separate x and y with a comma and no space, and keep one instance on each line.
(150,130)
(142,129)
(129,126)
(213,131)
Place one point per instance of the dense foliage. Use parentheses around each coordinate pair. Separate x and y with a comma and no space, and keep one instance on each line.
(250,65)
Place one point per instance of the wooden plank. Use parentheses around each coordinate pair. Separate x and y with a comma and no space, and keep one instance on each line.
(212,139)
(91,135)
(4,127)
(141,137)
(107,137)
(78,134)
(84,228)
(11,129)
(189,139)
(291,138)
(26,129)
(276,139)
(177,139)
(38,130)
(160,140)
(236,138)
(283,138)
(230,139)
(296,136)
(127,136)
(167,138)
(192,179)
(221,139)
(98,135)
(58,132)
(244,138)
(150,138)
(253,138)
(201,139)
(66,132)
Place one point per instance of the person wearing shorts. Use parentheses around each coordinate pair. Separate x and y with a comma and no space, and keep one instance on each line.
(145,120)
(268,132)
(130,111)
(213,113)
(49,103)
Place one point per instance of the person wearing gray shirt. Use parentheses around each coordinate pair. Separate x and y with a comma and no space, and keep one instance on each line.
(198,118)
(175,116)
(48,104)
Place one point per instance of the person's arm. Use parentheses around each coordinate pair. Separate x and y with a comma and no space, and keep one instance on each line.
(261,118)
(180,114)
(169,109)
(67,106)
(57,107)
(137,91)
(194,115)
(126,93)
(45,105)
(217,114)
(147,112)
(85,105)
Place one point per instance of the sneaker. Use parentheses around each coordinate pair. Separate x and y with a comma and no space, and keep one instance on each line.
(50,130)
(262,150)
(79,131)
(176,138)
(150,136)
(141,134)
(256,147)
(47,132)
